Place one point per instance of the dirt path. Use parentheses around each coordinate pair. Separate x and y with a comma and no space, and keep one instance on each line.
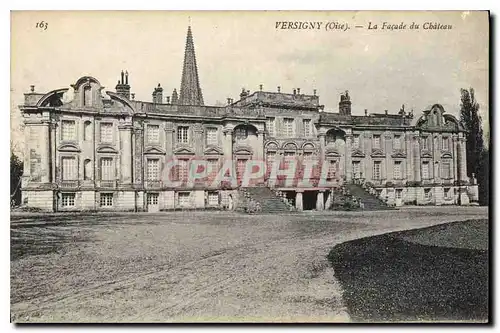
(197,266)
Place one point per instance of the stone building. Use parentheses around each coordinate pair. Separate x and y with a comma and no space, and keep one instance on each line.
(108,151)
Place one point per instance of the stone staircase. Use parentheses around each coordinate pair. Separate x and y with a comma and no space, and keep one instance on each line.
(370,202)
(266,199)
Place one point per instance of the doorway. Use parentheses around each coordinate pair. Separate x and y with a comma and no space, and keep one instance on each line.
(152,202)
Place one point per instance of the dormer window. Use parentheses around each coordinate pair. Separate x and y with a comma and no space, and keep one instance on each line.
(87,96)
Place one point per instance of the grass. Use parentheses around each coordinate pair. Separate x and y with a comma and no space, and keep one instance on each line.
(433,274)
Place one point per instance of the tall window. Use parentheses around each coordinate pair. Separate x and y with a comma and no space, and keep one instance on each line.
(270,158)
(425,170)
(446,169)
(288,156)
(69,168)
(241,133)
(376,141)
(87,96)
(182,134)
(87,170)
(153,169)
(182,170)
(397,169)
(107,169)
(240,167)
(87,131)
(289,127)
(271,126)
(68,130)
(106,132)
(425,142)
(213,198)
(307,127)
(152,199)
(68,199)
(211,136)
(446,143)
(356,169)
(355,141)
(447,192)
(332,169)
(183,199)
(397,142)
(153,133)
(399,193)
(213,166)
(377,167)
(427,193)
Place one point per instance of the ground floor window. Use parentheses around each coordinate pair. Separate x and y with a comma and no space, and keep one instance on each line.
(447,192)
(399,193)
(379,192)
(356,169)
(152,198)
(213,198)
(68,199)
(427,193)
(106,199)
(183,199)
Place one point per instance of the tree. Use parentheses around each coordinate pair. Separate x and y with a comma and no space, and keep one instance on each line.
(483,178)
(471,121)
(16,171)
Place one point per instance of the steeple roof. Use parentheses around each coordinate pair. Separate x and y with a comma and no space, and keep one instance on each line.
(190,93)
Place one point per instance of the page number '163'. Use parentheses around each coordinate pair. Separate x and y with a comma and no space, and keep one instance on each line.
(42,25)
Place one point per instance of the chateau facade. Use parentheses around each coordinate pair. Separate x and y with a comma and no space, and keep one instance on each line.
(113,152)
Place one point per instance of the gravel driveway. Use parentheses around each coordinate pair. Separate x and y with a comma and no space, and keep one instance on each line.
(192,266)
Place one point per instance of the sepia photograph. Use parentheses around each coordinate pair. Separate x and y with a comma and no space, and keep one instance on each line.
(250,167)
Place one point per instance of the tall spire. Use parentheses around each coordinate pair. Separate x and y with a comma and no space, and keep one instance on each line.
(190,93)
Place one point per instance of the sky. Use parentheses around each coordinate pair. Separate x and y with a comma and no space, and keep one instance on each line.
(382,69)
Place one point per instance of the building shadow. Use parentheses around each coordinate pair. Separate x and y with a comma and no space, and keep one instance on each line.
(385,278)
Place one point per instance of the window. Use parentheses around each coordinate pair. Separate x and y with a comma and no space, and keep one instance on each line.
(355,141)
(69,168)
(107,169)
(213,166)
(87,96)
(107,132)
(307,156)
(152,199)
(447,193)
(270,158)
(330,137)
(427,193)
(397,142)
(68,130)
(68,199)
(106,200)
(241,133)
(356,169)
(240,167)
(332,169)
(153,133)
(87,170)
(213,198)
(182,134)
(399,193)
(211,136)
(425,143)
(425,170)
(153,169)
(183,199)
(288,156)
(307,127)
(397,169)
(446,169)
(378,192)
(289,127)
(446,143)
(376,141)
(271,127)
(377,166)
(182,170)
(87,131)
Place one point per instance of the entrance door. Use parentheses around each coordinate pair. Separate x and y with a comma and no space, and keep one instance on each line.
(152,201)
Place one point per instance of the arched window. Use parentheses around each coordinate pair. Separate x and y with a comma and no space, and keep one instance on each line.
(87,131)
(87,96)
(87,170)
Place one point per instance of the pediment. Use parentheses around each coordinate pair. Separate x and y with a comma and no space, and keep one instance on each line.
(426,154)
(398,154)
(377,152)
(213,151)
(107,149)
(69,147)
(358,153)
(242,150)
(184,151)
(332,152)
(446,155)
(155,151)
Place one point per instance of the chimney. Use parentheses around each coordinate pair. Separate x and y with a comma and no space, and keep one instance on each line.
(228,101)
(366,112)
(386,112)
(244,93)
(175,97)
(32,88)
(260,87)
(314,92)
(168,99)
(294,91)
(159,94)
(123,88)
(298,91)
(345,104)
(279,89)
(133,96)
